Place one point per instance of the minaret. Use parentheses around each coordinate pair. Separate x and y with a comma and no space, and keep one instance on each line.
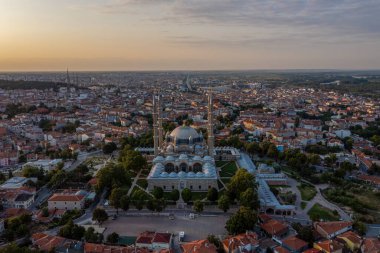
(160,128)
(155,126)
(210,130)
(67,76)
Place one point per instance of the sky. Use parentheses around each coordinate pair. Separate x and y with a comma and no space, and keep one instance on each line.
(52,35)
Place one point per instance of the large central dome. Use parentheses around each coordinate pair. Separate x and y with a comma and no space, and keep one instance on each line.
(184,133)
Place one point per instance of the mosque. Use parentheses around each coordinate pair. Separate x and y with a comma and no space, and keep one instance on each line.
(182,158)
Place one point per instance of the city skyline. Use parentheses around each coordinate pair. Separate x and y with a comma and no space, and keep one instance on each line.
(188,35)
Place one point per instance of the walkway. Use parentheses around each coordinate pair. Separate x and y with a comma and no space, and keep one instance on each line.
(134,183)
(324,202)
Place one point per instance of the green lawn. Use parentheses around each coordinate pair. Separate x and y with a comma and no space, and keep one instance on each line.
(220,163)
(318,212)
(226,180)
(143,183)
(228,169)
(198,195)
(307,191)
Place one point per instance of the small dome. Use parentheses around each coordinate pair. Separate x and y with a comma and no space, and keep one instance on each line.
(158,159)
(181,174)
(170,158)
(159,166)
(197,158)
(207,158)
(173,174)
(183,157)
(199,174)
(191,174)
(164,174)
(207,165)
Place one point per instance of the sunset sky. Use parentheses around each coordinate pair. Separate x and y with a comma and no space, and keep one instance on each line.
(188,34)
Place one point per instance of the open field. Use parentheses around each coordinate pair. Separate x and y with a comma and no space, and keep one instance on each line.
(194,229)
(307,191)
(318,212)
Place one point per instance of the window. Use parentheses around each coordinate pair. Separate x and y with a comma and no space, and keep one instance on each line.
(191,187)
(172,187)
(197,167)
(183,167)
(200,187)
(164,187)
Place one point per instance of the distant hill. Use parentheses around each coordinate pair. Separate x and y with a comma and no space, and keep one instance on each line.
(25,85)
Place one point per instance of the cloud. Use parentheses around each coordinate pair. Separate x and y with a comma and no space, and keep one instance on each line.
(316,21)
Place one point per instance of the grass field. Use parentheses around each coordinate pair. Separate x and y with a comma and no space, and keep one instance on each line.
(318,212)
(143,183)
(228,170)
(307,191)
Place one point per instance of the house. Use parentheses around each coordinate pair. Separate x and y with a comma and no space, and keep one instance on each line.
(280,249)
(370,245)
(23,200)
(331,229)
(200,246)
(66,201)
(351,240)
(275,228)
(294,244)
(154,240)
(246,242)
(329,246)
(47,243)
(312,250)
(102,248)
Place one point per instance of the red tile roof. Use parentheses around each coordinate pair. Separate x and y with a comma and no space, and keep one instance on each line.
(371,245)
(294,243)
(274,227)
(200,246)
(331,227)
(66,197)
(280,249)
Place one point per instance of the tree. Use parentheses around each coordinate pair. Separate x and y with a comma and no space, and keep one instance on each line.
(360,227)
(186,195)
(331,160)
(224,203)
(253,148)
(241,181)
(45,212)
(109,148)
(314,159)
(100,215)
(272,151)
(215,240)
(91,236)
(150,205)
(198,206)
(158,192)
(113,238)
(174,195)
(139,204)
(115,197)
(249,199)
(124,202)
(212,194)
(244,219)
(72,231)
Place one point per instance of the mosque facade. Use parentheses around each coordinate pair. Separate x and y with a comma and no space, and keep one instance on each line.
(182,158)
